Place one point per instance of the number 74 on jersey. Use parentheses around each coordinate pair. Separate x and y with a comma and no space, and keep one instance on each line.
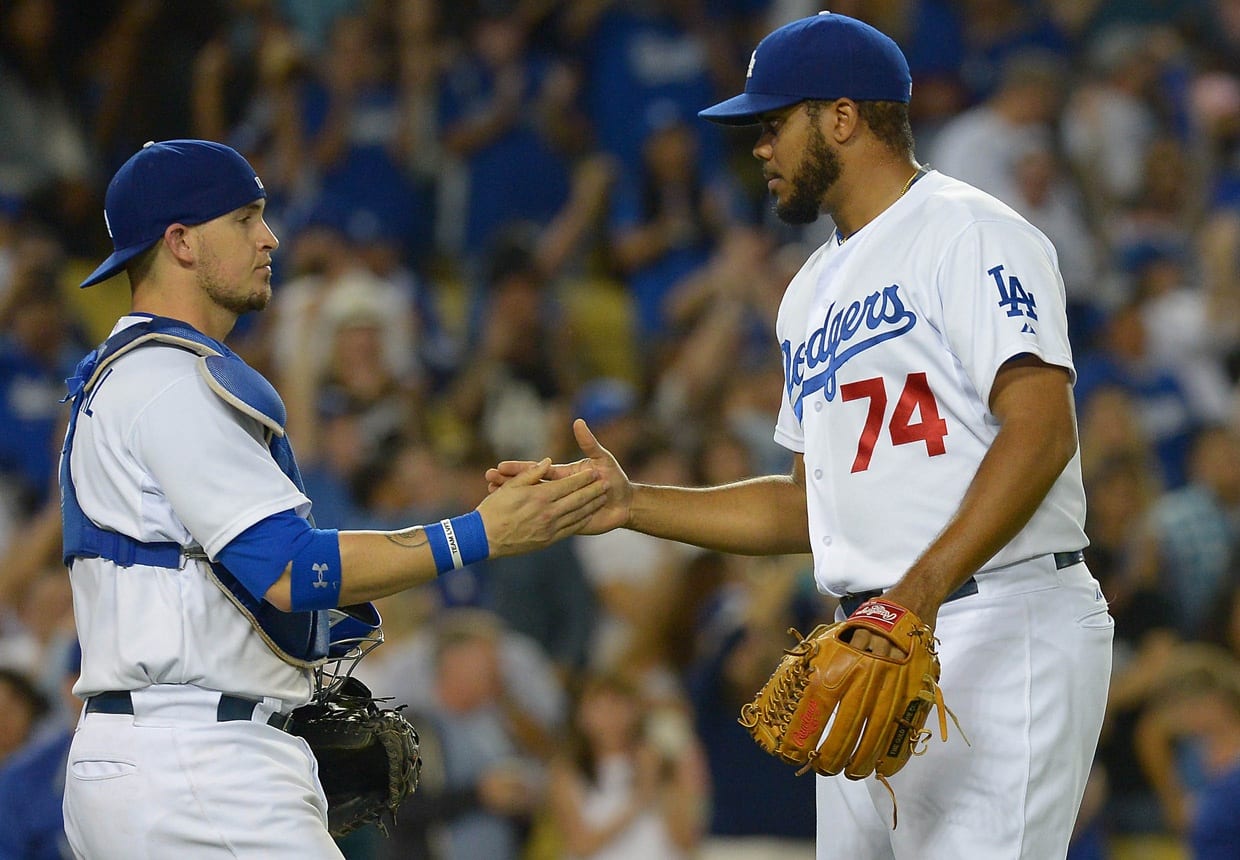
(915,417)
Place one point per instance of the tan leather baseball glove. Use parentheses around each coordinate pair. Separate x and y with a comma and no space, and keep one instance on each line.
(880,704)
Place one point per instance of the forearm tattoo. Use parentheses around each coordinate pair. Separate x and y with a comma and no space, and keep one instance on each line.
(415,536)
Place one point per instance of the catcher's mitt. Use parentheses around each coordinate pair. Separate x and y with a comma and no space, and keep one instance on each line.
(368,756)
(880,704)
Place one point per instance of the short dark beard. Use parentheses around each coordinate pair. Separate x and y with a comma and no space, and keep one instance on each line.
(819,170)
(220,293)
(238,305)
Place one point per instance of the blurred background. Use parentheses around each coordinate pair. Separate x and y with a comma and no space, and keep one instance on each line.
(497,215)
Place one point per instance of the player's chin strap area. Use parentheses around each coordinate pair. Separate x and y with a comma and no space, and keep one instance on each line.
(302,639)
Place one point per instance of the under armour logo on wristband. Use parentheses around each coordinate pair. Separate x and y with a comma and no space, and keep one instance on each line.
(319,570)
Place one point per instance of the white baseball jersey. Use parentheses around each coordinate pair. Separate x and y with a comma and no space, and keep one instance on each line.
(891,341)
(158,456)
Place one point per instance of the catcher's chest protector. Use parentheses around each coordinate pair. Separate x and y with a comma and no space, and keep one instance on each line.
(298,638)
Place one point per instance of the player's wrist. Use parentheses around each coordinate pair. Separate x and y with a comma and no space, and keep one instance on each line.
(640,508)
(457,542)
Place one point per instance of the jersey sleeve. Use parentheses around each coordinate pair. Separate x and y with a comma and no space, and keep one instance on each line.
(1002,296)
(210,463)
(789,332)
(788,430)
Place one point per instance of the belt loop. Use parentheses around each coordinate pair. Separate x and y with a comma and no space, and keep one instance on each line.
(1068,559)
(110,702)
(234,708)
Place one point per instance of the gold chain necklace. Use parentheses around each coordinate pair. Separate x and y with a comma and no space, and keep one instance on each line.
(918,172)
(841,238)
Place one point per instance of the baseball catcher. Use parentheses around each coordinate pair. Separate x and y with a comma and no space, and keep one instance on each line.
(876,707)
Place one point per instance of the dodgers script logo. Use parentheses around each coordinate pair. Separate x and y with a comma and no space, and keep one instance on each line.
(844,334)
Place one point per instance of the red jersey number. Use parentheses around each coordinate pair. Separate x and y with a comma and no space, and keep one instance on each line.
(916,402)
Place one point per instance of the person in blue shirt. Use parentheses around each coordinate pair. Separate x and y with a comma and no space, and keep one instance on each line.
(667,218)
(636,55)
(1189,744)
(501,109)
(38,350)
(352,114)
(1122,360)
(32,782)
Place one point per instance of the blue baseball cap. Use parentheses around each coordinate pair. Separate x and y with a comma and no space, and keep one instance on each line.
(171,182)
(825,56)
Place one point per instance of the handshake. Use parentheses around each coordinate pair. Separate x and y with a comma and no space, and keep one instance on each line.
(532,505)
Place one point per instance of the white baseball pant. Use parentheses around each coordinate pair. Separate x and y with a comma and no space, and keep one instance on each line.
(1026,668)
(171,781)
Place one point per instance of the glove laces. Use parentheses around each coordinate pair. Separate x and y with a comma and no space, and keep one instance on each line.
(932,694)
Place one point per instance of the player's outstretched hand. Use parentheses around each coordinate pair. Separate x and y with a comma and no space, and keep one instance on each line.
(534,509)
(618,498)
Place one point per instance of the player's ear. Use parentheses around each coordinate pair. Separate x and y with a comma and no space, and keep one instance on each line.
(841,120)
(176,239)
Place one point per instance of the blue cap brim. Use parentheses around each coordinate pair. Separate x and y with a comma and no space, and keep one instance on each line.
(115,263)
(747,107)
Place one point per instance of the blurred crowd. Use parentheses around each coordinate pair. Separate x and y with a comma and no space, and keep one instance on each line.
(498,215)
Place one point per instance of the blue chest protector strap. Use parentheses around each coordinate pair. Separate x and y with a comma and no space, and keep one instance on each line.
(303,639)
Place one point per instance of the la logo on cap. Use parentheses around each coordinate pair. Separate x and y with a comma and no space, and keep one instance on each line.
(753,58)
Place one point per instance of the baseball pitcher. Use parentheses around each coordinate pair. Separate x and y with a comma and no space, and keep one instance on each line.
(928,403)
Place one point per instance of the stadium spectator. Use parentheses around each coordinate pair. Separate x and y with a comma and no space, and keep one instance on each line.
(22,706)
(484,775)
(641,56)
(1189,325)
(32,781)
(517,374)
(38,344)
(1193,538)
(353,127)
(631,782)
(1189,746)
(1121,358)
(981,145)
(501,109)
(46,161)
(667,216)
(1110,121)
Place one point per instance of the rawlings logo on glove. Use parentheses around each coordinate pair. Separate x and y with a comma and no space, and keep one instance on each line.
(876,610)
(880,704)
